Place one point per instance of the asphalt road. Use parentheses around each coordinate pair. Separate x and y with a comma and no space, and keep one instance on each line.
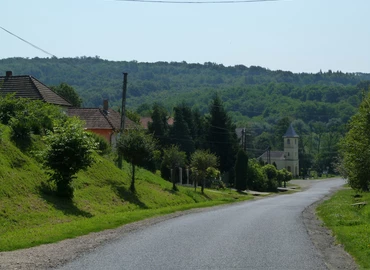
(259,234)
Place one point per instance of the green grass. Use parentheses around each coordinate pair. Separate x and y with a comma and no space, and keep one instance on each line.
(31,215)
(350,224)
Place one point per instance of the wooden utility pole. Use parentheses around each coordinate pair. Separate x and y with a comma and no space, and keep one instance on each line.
(123,114)
(123,110)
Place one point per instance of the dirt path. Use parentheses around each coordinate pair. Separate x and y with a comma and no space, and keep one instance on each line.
(53,255)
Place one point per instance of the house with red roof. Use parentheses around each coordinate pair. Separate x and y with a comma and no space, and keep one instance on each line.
(26,86)
(102,121)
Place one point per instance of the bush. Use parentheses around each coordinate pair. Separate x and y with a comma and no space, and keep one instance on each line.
(103,147)
(257,178)
(271,174)
(68,150)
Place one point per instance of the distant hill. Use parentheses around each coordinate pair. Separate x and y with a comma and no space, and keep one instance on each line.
(249,93)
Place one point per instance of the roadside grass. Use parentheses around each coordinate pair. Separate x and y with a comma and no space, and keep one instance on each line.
(350,224)
(30,213)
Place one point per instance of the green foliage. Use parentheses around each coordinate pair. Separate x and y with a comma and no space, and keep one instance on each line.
(26,117)
(68,149)
(221,139)
(137,148)
(257,180)
(68,93)
(133,116)
(355,149)
(159,127)
(180,133)
(29,216)
(103,146)
(172,159)
(287,176)
(270,171)
(241,170)
(200,161)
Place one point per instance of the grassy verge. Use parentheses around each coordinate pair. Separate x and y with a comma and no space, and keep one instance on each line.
(350,224)
(52,232)
(31,214)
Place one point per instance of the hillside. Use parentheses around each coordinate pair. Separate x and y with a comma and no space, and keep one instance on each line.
(30,215)
(250,93)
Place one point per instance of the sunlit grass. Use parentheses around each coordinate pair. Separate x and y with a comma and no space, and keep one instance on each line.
(31,215)
(350,224)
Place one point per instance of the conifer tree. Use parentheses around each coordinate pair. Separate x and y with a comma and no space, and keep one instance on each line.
(180,133)
(241,170)
(221,138)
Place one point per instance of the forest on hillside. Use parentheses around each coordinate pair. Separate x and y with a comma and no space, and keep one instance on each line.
(258,99)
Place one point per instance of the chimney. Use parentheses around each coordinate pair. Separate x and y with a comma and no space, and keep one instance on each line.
(105,105)
(9,73)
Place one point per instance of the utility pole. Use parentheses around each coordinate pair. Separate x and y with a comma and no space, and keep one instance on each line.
(123,114)
(123,110)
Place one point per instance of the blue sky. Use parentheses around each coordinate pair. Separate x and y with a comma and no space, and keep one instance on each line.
(295,35)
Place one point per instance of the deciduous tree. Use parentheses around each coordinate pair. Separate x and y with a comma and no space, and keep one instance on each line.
(137,147)
(200,161)
(355,149)
(68,93)
(173,158)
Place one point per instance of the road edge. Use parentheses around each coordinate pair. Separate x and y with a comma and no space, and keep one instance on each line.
(332,253)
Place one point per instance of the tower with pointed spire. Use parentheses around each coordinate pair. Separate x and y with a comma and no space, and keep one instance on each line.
(291,151)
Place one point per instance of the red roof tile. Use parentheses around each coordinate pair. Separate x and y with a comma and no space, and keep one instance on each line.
(26,86)
(96,118)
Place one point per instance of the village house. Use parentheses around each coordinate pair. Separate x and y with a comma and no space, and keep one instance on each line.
(102,121)
(26,86)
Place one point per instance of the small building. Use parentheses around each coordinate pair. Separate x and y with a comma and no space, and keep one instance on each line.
(26,86)
(288,158)
(144,121)
(102,121)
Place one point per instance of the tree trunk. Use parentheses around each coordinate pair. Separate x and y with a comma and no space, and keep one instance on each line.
(203,182)
(132,186)
(174,188)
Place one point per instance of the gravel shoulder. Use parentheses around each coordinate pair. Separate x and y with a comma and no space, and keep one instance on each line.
(55,255)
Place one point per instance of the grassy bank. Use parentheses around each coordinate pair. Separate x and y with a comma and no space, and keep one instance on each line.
(31,215)
(350,224)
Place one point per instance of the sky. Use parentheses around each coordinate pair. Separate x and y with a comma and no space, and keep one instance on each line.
(291,35)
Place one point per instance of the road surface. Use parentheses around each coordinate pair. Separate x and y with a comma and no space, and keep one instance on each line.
(260,234)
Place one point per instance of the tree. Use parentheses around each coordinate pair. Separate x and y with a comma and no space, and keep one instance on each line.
(173,158)
(159,127)
(279,130)
(200,161)
(271,173)
(180,133)
(287,176)
(355,149)
(137,148)
(68,93)
(133,116)
(68,149)
(241,170)
(222,138)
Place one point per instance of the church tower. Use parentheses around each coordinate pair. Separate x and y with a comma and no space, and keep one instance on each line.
(291,151)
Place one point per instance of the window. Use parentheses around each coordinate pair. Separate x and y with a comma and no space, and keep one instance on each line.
(288,141)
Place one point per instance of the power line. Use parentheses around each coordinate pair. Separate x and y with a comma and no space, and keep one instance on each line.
(29,43)
(198,2)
